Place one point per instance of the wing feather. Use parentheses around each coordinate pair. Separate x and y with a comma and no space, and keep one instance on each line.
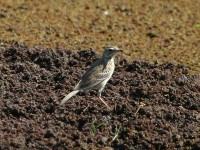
(94,75)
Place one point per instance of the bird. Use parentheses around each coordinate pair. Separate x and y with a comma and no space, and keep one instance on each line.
(97,75)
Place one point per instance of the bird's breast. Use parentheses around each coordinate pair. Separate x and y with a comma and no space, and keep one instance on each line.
(110,66)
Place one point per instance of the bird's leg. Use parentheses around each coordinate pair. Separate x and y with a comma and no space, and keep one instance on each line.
(104,103)
(85,94)
(99,95)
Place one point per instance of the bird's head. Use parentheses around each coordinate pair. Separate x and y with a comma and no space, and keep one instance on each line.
(111,51)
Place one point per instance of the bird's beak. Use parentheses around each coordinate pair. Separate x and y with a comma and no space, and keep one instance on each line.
(120,51)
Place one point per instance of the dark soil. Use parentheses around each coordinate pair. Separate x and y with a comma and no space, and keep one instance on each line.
(154,106)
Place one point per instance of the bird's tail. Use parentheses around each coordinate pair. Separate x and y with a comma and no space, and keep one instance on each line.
(69,96)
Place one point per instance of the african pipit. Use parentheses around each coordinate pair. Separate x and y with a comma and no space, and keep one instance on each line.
(97,75)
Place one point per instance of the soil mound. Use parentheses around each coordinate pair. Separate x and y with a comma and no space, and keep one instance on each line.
(154,106)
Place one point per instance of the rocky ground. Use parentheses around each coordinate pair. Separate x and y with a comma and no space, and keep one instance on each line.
(153,106)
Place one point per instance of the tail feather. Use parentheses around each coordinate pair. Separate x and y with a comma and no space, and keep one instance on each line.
(69,96)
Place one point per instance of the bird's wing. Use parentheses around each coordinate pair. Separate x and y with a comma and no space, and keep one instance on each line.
(94,75)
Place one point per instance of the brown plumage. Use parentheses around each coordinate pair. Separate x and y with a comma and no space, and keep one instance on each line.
(97,75)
